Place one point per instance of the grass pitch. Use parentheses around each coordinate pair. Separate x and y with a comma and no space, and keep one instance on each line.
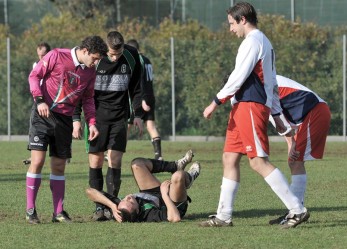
(326,199)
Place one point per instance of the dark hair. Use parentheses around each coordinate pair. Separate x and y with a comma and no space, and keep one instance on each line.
(127,216)
(243,9)
(115,40)
(44,44)
(95,45)
(134,44)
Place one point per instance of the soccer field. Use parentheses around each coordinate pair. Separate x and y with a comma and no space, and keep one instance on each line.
(326,199)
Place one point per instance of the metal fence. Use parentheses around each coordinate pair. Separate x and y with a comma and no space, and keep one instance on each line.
(210,13)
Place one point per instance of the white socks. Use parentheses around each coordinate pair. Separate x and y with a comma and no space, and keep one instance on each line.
(226,199)
(280,186)
(298,186)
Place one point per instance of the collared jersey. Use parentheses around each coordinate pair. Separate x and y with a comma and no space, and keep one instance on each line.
(296,100)
(64,82)
(254,76)
(115,83)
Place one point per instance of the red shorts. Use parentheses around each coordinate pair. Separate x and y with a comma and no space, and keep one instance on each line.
(247,130)
(312,133)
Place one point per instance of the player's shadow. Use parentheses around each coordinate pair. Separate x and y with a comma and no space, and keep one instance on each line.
(256,213)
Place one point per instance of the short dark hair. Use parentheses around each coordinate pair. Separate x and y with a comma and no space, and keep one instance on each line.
(127,216)
(243,9)
(134,43)
(45,45)
(95,45)
(115,40)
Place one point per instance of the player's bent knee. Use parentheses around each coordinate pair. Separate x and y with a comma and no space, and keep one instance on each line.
(178,177)
(138,163)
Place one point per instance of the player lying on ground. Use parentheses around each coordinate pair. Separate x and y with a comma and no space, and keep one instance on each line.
(156,201)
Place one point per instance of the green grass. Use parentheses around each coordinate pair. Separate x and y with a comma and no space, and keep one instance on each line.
(326,199)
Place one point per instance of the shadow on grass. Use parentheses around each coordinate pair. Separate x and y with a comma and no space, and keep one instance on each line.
(256,213)
(69,176)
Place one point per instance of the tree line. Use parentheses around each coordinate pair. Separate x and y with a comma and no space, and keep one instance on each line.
(305,52)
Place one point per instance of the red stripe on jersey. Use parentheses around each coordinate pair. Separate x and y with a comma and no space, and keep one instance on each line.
(258,70)
(225,99)
(284,91)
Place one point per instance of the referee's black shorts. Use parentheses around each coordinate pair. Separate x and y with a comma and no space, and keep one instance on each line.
(55,131)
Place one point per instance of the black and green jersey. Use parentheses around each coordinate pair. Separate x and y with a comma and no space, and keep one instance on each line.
(115,83)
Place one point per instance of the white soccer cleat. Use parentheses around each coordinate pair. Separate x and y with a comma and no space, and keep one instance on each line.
(183,162)
(194,172)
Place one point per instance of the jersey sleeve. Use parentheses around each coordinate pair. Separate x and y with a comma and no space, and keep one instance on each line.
(135,84)
(276,108)
(38,73)
(246,59)
(88,102)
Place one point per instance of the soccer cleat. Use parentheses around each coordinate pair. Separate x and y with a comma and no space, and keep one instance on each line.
(194,172)
(278,220)
(108,214)
(182,163)
(158,157)
(31,216)
(62,217)
(27,161)
(292,220)
(99,214)
(213,221)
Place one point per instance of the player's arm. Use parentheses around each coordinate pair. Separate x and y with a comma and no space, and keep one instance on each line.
(89,109)
(35,77)
(96,196)
(76,118)
(135,92)
(173,214)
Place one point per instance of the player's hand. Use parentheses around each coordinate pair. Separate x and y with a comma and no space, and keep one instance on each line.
(93,132)
(209,110)
(138,124)
(117,215)
(43,110)
(77,130)
(165,187)
(145,107)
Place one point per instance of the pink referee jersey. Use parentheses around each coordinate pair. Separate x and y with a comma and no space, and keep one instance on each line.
(308,114)
(64,83)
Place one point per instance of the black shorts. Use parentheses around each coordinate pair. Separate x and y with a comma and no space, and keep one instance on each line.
(111,137)
(181,206)
(55,131)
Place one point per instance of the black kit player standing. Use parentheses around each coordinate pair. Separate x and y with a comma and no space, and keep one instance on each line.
(148,101)
(117,81)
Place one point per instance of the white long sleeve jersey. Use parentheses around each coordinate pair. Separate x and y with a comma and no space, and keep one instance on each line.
(254,76)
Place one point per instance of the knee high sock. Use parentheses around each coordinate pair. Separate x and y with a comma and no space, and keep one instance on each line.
(157,147)
(96,180)
(279,185)
(163,166)
(113,181)
(57,185)
(298,186)
(33,183)
(228,193)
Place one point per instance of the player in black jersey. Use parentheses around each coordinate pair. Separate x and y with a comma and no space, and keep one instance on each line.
(156,201)
(148,100)
(117,79)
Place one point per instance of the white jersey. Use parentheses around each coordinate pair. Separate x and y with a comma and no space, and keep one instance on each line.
(254,76)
